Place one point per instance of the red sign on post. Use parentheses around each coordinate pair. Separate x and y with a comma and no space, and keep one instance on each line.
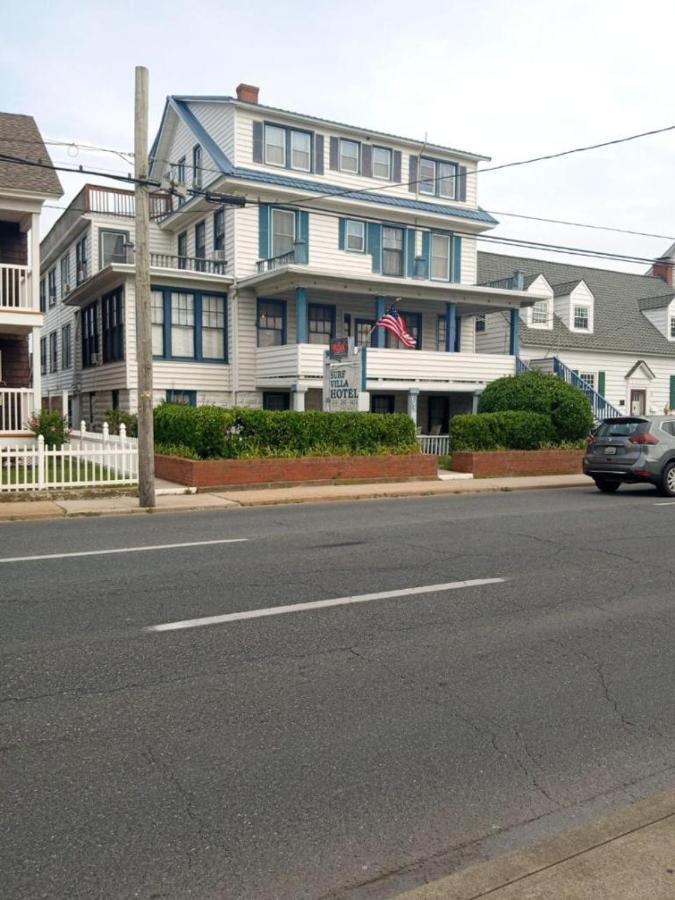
(339,348)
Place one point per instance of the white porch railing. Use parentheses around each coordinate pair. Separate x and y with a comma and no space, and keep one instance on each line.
(434,444)
(16,405)
(90,461)
(15,290)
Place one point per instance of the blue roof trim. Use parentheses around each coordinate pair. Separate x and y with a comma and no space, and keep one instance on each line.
(476,215)
(202,135)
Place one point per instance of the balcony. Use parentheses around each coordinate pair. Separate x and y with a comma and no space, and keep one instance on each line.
(15,287)
(188,263)
(16,406)
(397,370)
(296,256)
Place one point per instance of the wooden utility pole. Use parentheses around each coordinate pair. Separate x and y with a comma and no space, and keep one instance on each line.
(146,454)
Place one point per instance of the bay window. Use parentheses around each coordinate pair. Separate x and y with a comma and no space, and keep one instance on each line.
(189,325)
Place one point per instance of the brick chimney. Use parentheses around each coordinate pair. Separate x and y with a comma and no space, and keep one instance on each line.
(247,93)
(663,268)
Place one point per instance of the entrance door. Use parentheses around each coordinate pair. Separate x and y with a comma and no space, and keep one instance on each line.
(439,414)
(638,403)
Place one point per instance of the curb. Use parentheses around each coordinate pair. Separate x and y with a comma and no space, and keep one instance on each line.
(490,877)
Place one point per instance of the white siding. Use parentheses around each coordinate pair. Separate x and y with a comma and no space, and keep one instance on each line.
(496,337)
(218,120)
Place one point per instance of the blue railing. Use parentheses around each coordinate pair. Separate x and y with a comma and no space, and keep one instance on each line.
(521,366)
(601,408)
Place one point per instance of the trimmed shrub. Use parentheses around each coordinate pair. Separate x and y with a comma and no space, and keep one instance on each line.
(52,426)
(511,430)
(216,433)
(567,406)
(116,417)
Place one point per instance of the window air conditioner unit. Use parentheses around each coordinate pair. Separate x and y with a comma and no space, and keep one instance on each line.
(95,359)
(218,255)
(67,288)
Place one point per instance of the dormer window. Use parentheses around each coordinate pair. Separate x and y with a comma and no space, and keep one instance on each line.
(286,148)
(301,150)
(438,179)
(540,313)
(382,163)
(349,156)
(275,146)
(582,318)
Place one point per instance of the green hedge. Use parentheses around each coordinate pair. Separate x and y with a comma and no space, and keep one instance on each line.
(216,433)
(513,430)
(567,406)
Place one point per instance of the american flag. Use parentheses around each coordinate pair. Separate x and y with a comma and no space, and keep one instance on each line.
(394,322)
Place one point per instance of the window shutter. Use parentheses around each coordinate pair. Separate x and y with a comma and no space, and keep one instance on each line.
(341,234)
(672,391)
(410,252)
(412,175)
(601,383)
(456,258)
(461,183)
(318,154)
(257,142)
(396,166)
(333,161)
(367,160)
(303,235)
(426,253)
(264,231)
(375,244)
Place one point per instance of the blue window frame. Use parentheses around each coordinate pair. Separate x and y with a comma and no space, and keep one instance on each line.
(320,323)
(219,229)
(183,398)
(413,324)
(271,323)
(197,166)
(189,325)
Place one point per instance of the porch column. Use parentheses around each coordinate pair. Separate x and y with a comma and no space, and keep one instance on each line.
(37,373)
(514,334)
(35,260)
(475,400)
(301,315)
(298,398)
(413,394)
(64,404)
(450,327)
(380,310)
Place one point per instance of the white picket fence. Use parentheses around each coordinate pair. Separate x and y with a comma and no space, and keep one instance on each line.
(91,459)
(434,444)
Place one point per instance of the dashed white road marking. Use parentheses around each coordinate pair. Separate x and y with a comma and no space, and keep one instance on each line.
(321,604)
(143,549)
(665,503)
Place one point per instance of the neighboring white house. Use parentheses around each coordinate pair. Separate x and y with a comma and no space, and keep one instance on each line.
(23,190)
(339,222)
(613,331)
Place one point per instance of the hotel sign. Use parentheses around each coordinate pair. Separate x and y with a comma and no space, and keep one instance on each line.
(344,378)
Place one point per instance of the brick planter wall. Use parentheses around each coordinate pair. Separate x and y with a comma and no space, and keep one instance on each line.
(496,463)
(209,473)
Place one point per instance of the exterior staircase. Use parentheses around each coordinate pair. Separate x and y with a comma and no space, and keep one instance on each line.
(601,407)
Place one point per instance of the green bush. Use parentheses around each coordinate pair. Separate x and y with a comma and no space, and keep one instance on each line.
(52,426)
(175,450)
(567,406)
(117,417)
(511,430)
(216,433)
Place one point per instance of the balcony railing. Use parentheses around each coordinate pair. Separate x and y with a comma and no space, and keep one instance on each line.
(15,292)
(296,256)
(188,263)
(16,405)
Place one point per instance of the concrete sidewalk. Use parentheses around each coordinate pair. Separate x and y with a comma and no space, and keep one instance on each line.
(121,505)
(627,855)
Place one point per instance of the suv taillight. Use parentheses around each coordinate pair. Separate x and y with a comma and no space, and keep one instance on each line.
(643,438)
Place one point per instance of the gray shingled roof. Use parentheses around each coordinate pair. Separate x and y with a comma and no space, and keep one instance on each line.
(566,288)
(656,302)
(619,324)
(20,137)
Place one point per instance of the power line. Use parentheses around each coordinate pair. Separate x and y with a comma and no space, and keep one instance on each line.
(648,234)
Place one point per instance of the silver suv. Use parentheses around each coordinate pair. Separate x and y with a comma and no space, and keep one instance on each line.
(633,449)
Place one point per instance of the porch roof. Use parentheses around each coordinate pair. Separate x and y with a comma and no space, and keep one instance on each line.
(474,299)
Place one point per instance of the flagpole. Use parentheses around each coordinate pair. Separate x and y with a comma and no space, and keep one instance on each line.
(367,337)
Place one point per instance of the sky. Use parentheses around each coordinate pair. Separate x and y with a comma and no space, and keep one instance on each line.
(510,79)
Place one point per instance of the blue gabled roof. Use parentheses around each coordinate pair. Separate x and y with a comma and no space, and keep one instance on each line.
(202,135)
(320,187)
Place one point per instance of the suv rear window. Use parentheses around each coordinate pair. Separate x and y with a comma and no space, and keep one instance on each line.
(622,428)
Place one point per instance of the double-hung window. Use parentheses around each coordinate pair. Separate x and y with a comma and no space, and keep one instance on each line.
(213,327)
(413,325)
(437,178)
(282,231)
(180,176)
(112,314)
(66,347)
(320,323)
(81,260)
(51,284)
(301,151)
(355,236)
(440,257)
(157,316)
(447,180)
(43,356)
(219,229)
(43,295)
(392,251)
(53,352)
(365,334)
(200,246)
(197,166)
(182,249)
(183,325)
(113,247)
(89,335)
(65,275)
(441,332)
(382,163)
(582,318)
(540,313)
(275,146)
(350,156)
(271,323)
(427,176)
(481,323)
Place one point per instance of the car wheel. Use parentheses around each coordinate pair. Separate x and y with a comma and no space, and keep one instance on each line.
(667,486)
(606,486)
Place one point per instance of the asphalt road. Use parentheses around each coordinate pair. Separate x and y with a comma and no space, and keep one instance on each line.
(347,751)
